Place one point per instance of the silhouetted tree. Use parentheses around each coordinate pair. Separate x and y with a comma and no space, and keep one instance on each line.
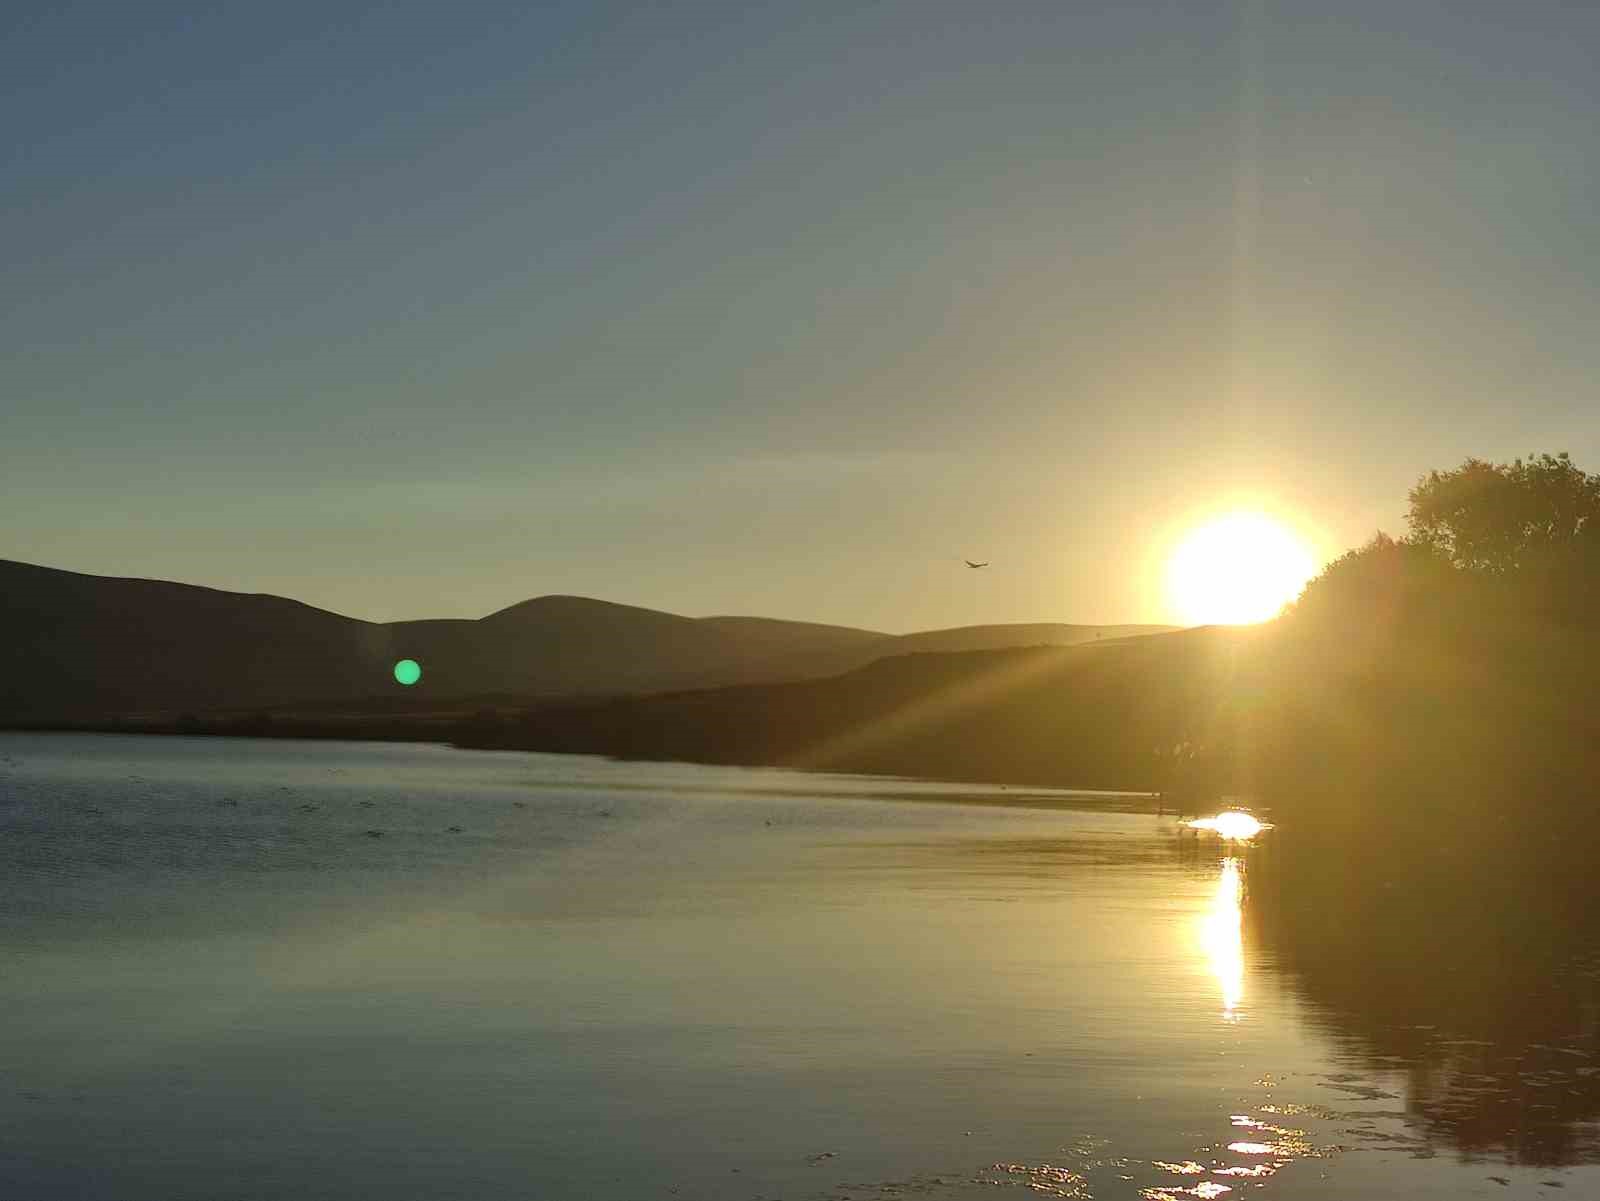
(1454,668)
(1493,516)
(1367,598)
(1490,545)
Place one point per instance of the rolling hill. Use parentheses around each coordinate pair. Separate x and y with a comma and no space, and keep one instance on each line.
(81,646)
(1091,715)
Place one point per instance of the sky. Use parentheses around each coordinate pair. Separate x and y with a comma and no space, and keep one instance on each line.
(421,309)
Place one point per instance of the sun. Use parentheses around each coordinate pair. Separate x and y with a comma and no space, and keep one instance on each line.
(1237,569)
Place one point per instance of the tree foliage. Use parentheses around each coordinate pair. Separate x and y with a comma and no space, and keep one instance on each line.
(1489,543)
(1498,517)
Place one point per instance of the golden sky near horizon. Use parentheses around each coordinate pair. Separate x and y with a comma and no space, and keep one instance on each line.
(783,310)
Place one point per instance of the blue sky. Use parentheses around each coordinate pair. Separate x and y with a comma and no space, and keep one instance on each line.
(421,309)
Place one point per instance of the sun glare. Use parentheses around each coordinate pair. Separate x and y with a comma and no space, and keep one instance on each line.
(1237,569)
(1232,824)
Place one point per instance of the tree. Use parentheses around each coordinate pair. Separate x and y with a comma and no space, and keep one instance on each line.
(1368,597)
(1497,517)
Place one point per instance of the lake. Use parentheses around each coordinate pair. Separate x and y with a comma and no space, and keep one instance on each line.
(240,970)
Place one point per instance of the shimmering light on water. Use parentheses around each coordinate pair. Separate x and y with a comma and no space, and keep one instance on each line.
(397,970)
(1206,1190)
(1222,937)
(1232,824)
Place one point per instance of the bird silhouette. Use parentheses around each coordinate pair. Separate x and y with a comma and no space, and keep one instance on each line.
(970,563)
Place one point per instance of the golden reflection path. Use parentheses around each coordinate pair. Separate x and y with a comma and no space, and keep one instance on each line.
(1222,937)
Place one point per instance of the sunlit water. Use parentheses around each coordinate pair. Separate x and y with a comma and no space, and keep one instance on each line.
(1232,825)
(249,970)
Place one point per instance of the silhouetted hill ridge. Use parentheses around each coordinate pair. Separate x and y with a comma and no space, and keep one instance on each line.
(1088,715)
(82,645)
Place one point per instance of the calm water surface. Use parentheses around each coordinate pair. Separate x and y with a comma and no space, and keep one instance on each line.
(239,970)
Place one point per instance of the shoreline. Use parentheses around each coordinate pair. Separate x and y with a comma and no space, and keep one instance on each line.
(1029,793)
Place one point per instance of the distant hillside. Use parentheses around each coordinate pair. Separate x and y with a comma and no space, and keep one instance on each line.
(817,661)
(988,638)
(1090,715)
(79,645)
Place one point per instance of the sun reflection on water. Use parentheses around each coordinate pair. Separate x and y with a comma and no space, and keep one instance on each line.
(1232,824)
(1222,937)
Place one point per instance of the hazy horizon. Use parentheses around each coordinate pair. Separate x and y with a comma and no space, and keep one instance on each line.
(404,311)
(550,595)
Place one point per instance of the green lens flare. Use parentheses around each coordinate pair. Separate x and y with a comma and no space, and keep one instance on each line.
(408,671)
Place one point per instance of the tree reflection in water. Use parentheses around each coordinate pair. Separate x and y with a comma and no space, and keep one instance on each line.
(1479,985)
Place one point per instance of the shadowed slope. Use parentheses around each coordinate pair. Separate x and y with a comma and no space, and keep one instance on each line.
(79,646)
(997,637)
(1084,716)
(819,660)
(90,644)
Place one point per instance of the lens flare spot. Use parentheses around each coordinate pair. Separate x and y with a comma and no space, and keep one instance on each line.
(408,671)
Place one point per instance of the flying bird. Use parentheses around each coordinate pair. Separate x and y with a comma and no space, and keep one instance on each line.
(970,563)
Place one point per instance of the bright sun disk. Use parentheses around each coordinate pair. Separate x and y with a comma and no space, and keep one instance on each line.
(1238,569)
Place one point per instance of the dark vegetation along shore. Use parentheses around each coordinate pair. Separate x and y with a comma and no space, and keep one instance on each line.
(1426,731)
